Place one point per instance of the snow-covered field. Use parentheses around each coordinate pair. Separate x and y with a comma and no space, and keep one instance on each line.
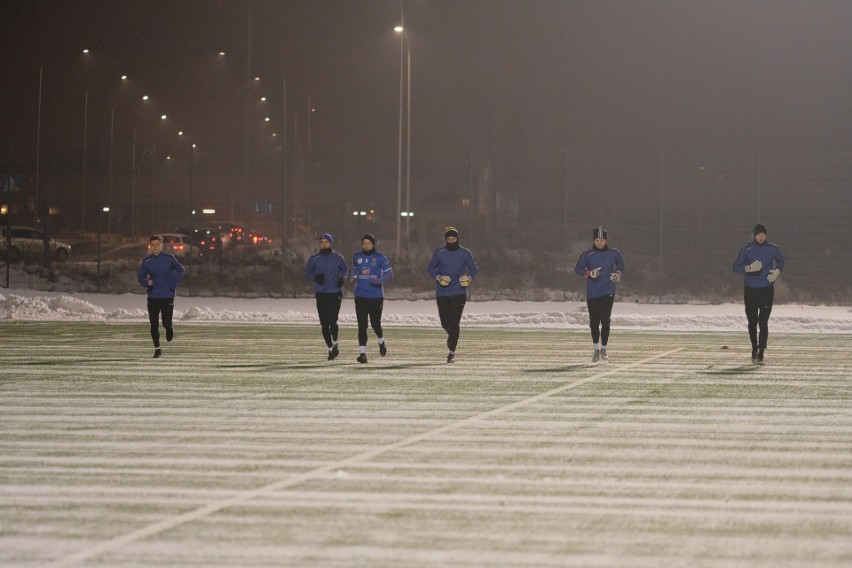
(243,446)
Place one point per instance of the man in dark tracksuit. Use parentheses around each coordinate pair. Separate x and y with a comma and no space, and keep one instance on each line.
(161,273)
(761,262)
(602,267)
(328,270)
(453,268)
(370,270)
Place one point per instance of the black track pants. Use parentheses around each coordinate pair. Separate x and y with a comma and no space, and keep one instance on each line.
(369,308)
(758,306)
(156,308)
(328,308)
(600,312)
(450,309)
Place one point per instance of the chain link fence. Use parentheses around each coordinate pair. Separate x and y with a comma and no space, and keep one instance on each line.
(679,218)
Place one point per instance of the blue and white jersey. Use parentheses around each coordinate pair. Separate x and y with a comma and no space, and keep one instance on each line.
(768,254)
(609,261)
(164,271)
(333,268)
(370,271)
(452,263)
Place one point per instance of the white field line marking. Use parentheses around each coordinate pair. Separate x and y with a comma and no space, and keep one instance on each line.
(244,496)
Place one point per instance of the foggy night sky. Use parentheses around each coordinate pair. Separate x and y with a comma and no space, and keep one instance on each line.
(686,74)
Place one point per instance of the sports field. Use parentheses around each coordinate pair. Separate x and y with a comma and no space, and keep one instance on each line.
(243,446)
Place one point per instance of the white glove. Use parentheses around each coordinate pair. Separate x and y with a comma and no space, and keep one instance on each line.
(443,280)
(593,273)
(773,274)
(755,266)
(615,276)
(464,280)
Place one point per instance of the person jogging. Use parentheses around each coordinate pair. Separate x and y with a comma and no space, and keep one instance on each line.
(370,270)
(761,263)
(327,270)
(453,269)
(161,273)
(602,268)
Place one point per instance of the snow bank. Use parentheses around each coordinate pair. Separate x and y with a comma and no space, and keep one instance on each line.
(25,305)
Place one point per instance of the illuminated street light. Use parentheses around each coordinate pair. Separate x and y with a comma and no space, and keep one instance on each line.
(163,117)
(263,99)
(124,77)
(144,97)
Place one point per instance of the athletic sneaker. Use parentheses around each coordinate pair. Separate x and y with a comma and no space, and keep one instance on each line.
(362,358)
(603,354)
(333,353)
(170,333)
(754,356)
(451,357)
(383,348)
(760,357)
(157,353)
(596,357)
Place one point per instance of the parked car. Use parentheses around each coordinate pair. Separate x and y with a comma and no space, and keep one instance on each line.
(178,244)
(28,242)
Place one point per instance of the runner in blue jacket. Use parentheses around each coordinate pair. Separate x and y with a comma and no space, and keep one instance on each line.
(328,271)
(370,271)
(453,269)
(161,273)
(761,262)
(602,267)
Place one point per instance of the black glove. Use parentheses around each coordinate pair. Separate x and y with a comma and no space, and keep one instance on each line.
(340,282)
(319,278)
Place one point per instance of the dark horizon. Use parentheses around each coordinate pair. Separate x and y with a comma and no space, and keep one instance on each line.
(708,76)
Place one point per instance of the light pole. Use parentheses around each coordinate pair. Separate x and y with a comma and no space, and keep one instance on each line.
(404,103)
(103,210)
(85,148)
(400,29)
(191,211)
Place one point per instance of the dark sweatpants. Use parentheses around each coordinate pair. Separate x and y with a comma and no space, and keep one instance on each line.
(369,308)
(758,306)
(156,307)
(600,312)
(450,310)
(328,308)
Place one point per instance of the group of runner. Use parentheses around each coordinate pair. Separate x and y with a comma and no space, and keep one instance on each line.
(453,269)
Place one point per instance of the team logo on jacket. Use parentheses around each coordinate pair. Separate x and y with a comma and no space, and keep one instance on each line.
(365,271)
(360,260)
